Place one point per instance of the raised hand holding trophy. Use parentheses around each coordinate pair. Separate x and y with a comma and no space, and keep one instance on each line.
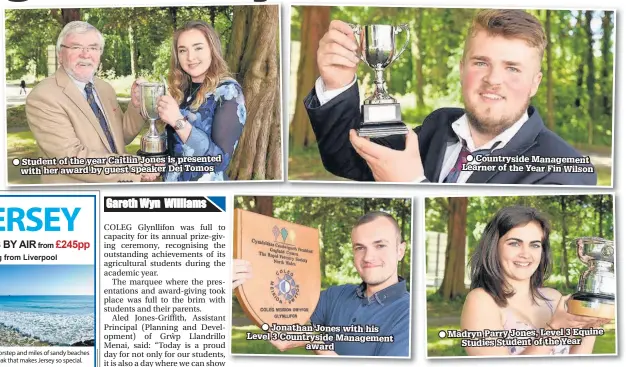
(380,112)
(153,143)
(595,294)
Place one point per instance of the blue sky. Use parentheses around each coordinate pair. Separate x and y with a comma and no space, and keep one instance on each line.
(37,280)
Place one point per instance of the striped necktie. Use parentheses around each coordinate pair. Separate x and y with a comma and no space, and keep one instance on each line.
(455,172)
(99,115)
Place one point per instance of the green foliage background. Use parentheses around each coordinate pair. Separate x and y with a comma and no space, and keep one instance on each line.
(570,217)
(334,217)
(583,90)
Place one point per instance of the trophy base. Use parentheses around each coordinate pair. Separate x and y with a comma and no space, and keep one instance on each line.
(382,129)
(380,120)
(141,153)
(593,305)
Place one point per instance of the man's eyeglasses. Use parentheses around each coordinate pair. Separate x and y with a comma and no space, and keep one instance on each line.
(88,49)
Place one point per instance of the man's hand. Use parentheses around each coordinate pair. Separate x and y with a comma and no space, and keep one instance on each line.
(390,165)
(336,58)
(282,345)
(149,176)
(135,93)
(242,271)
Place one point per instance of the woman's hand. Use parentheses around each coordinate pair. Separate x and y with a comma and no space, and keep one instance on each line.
(168,110)
(564,319)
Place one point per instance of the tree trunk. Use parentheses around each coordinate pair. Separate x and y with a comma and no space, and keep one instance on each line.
(590,77)
(454,274)
(173,13)
(264,205)
(550,86)
(70,15)
(416,52)
(212,14)
(315,22)
(366,206)
(564,261)
(133,51)
(600,209)
(419,65)
(607,83)
(253,59)
(403,237)
(580,74)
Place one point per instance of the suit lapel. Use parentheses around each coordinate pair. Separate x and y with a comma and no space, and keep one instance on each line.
(439,144)
(71,91)
(437,149)
(109,111)
(525,139)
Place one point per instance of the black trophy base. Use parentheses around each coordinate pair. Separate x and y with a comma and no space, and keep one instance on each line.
(381,130)
(151,155)
(592,305)
(381,120)
(154,155)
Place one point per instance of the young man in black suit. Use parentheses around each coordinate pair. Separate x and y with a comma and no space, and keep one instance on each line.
(498,138)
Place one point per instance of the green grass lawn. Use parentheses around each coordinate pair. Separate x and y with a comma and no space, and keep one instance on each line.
(22,144)
(242,326)
(306,164)
(438,347)
(240,345)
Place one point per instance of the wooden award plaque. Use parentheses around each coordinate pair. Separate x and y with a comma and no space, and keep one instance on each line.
(285,260)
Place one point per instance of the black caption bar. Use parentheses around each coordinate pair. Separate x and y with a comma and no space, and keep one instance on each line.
(159,204)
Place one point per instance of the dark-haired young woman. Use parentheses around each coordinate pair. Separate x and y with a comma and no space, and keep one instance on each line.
(508,269)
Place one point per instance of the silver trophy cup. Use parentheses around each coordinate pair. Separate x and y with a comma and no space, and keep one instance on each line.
(595,294)
(380,113)
(153,143)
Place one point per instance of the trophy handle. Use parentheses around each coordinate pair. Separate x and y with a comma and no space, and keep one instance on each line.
(356,29)
(580,245)
(607,251)
(142,111)
(396,30)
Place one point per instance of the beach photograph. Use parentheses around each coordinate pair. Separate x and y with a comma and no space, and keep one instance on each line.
(47,305)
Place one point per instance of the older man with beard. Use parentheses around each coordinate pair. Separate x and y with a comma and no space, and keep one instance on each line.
(498,138)
(74,114)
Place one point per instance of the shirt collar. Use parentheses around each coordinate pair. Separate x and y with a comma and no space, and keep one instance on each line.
(79,84)
(462,130)
(388,294)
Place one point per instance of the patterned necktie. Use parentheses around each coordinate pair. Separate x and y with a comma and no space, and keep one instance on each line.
(455,172)
(458,166)
(99,115)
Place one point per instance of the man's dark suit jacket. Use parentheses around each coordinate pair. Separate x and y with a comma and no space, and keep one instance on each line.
(333,121)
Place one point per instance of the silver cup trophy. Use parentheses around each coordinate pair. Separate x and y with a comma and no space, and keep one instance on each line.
(153,143)
(380,112)
(595,295)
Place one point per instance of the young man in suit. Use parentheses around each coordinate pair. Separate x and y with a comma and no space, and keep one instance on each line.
(74,114)
(500,73)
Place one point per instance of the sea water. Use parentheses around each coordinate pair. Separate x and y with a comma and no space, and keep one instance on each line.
(58,320)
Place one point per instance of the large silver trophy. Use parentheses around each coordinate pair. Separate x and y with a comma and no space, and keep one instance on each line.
(595,295)
(380,113)
(153,142)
